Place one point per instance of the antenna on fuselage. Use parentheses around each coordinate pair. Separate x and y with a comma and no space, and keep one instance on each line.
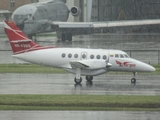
(88,10)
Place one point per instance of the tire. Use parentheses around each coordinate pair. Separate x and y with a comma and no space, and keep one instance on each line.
(78,81)
(63,37)
(89,78)
(69,36)
(133,80)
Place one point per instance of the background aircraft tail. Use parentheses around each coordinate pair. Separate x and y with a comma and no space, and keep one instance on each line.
(19,42)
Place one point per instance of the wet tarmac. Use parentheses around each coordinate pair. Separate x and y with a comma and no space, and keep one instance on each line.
(107,84)
(78,115)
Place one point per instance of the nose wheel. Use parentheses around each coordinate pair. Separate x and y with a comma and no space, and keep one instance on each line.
(133,80)
(78,80)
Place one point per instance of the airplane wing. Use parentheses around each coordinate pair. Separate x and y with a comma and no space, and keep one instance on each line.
(78,64)
(105,24)
(89,64)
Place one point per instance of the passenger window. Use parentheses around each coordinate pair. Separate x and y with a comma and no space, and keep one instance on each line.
(76,56)
(116,56)
(104,57)
(70,55)
(92,56)
(98,56)
(63,55)
(83,56)
(121,56)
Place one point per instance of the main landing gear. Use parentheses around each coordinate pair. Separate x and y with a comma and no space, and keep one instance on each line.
(79,80)
(66,36)
(133,80)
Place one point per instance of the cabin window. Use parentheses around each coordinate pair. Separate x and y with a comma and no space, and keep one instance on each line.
(116,56)
(63,55)
(104,57)
(92,56)
(98,56)
(69,55)
(76,56)
(84,56)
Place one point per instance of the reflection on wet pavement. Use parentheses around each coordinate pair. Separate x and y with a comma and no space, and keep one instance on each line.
(78,115)
(107,84)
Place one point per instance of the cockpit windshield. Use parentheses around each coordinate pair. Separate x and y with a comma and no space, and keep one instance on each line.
(126,56)
(121,56)
(22,16)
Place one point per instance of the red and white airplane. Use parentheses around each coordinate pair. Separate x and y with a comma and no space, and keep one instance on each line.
(81,62)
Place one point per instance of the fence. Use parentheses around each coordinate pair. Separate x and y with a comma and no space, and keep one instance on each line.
(147,56)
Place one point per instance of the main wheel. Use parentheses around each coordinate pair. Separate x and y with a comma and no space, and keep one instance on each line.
(69,36)
(78,81)
(89,78)
(133,80)
(63,36)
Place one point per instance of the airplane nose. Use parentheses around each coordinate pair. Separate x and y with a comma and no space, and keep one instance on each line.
(152,69)
(143,67)
(148,68)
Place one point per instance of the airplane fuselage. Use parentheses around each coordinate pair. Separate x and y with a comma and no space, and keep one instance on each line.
(95,59)
(36,18)
(80,61)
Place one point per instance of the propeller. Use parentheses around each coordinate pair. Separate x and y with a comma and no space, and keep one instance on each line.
(107,61)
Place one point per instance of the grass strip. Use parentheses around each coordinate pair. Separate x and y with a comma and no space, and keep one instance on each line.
(79,102)
(28,68)
(32,68)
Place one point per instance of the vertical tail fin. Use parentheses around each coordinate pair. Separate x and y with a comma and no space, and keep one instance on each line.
(18,40)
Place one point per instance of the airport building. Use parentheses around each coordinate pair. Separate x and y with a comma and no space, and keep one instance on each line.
(125,9)
(110,10)
(11,5)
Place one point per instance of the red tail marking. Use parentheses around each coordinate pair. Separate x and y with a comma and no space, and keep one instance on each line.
(18,40)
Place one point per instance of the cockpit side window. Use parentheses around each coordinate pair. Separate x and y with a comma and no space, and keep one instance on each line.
(116,56)
(126,56)
(121,56)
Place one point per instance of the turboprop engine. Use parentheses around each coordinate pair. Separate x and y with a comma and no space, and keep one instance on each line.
(75,11)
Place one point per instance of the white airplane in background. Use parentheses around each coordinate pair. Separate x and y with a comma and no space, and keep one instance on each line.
(52,16)
(81,62)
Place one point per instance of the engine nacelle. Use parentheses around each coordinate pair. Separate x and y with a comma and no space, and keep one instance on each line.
(75,11)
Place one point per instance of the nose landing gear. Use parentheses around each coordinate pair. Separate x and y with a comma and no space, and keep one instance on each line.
(78,80)
(133,80)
